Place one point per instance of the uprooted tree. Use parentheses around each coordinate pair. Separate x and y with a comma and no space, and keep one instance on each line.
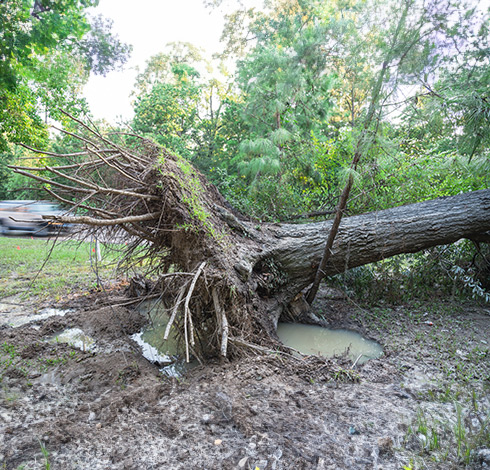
(225,279)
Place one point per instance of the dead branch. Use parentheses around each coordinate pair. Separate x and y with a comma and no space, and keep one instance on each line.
(78,166)
(75,136)
(103,139)
(102,222)
(92,187)
(71,189)
(79,204)
(98,188)
(115,167)
(64,155)
(187,312)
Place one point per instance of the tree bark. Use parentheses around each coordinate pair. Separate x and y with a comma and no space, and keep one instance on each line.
(296,250)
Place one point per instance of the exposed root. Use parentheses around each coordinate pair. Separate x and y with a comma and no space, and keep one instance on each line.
(178,232)
(187,312)
(174,313)
(222,323)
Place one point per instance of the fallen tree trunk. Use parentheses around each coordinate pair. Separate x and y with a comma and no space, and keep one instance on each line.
(375,236)
(222,276)
(372,237)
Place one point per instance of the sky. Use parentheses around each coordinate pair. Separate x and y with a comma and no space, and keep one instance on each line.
(148,25)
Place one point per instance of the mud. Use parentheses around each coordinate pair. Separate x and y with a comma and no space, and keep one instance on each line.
(112,409)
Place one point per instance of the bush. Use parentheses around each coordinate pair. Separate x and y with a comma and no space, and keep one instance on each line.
(460,270)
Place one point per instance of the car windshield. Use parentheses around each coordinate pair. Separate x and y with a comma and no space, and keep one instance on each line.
(43,208)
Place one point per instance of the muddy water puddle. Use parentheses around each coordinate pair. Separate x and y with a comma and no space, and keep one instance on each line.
(307,339)
(310,339)
(166,353)
(17,314)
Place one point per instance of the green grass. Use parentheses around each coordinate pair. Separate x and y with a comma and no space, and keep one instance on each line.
(454,437)
(68,269)
(45,453)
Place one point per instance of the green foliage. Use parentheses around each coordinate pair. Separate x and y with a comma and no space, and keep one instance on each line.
(261,200)
(457,270)
(168,112)
(313,97)
(185,111)
(101,49)
(286,90)
(403,178)
(329,159)
(453,111)
(45,453)
(321,82)
(160,68)
(46,51)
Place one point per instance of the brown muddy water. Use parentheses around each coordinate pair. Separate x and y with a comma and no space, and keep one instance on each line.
(310,339)
(307,339)
(166,354)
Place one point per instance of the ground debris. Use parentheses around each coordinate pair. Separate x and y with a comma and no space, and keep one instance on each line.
(113,409)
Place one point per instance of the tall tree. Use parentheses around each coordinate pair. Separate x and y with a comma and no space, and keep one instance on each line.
(47,49)
(286,88)
(168,111)
(407,49)
(183,106)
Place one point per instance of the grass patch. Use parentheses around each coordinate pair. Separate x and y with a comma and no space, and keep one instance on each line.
(453,438)
(71,267)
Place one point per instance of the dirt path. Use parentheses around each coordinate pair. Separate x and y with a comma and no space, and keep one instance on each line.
(111,409)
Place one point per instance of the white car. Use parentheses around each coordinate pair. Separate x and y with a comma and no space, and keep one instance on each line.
(27,216)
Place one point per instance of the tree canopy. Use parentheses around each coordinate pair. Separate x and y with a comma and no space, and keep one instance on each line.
(402,83)
(47,50)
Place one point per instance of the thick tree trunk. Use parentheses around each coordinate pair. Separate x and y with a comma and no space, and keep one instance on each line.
(218,271)
(296,250)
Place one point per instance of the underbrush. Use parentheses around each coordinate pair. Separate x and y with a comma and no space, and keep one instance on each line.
(457,271)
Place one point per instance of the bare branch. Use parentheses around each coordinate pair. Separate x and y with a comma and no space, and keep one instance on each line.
(49,181)
(123,152)
(64,155)
(102,222)
(78,204)
(119,170)
(92,186)
(187,312)
(64,167)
